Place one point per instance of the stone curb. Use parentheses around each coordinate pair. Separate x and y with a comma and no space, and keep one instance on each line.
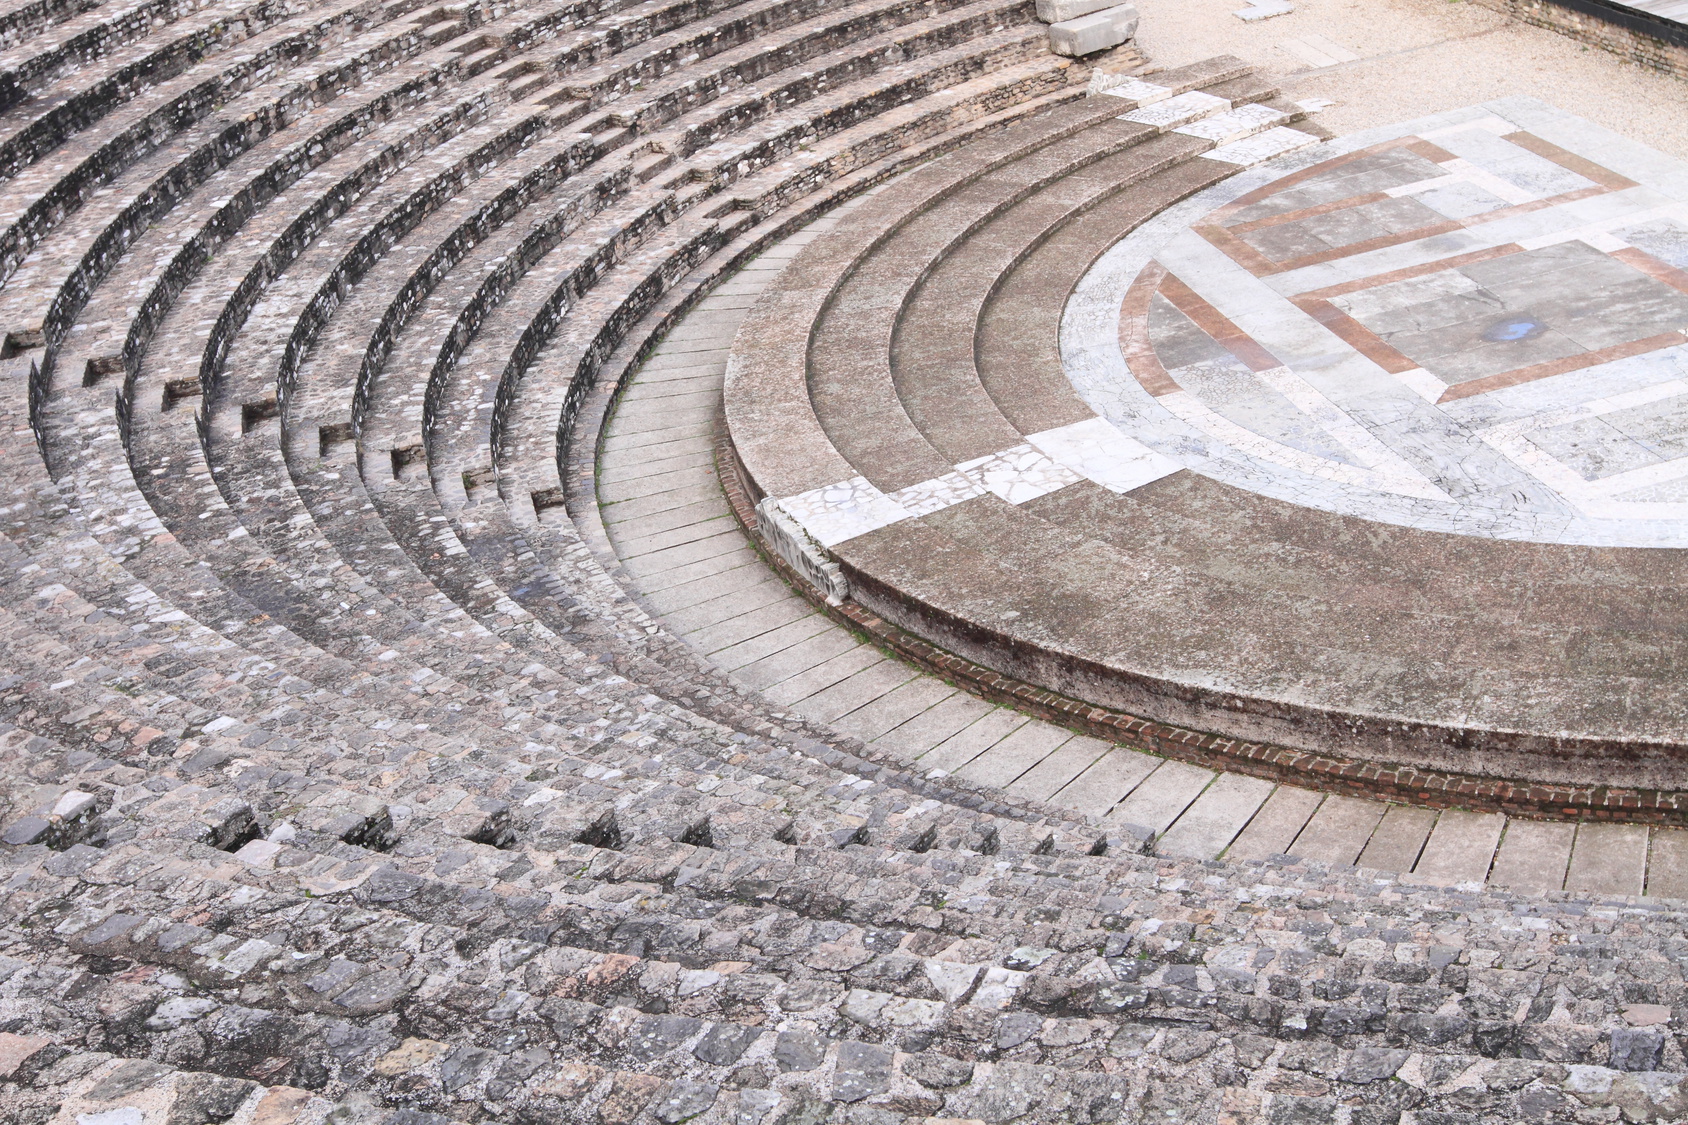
(1329,773)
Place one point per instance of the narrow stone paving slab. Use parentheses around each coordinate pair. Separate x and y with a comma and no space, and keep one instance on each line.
(677,537)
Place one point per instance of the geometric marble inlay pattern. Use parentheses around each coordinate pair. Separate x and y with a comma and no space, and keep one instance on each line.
(1339,456)
(1474,324)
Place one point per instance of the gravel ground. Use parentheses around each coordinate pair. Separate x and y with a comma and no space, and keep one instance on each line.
(1423,56)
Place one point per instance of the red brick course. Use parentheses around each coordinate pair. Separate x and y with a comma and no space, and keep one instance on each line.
(1649,51)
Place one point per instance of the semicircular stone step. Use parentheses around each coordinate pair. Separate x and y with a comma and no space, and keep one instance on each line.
(1054,544)
(345,766)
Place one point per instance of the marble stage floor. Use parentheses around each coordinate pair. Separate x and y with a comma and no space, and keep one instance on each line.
(1377,450)
(1473,324)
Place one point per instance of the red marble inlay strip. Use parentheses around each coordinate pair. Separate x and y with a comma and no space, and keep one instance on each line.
(1521,375)
(1355,334)
(1416,145)
(1134,342)
(1366,246)
(1570,161)
(1406,272)
(1226,241)
(1533,205)
(1260,266)
(1638,258)
(1266,191)
(1430,150)
(1218,325)
(1234,248)
(1310,212)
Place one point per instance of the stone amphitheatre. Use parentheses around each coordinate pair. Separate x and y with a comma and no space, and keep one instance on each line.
(883,562)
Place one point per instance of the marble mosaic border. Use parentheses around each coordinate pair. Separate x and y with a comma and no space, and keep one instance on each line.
(1121,379)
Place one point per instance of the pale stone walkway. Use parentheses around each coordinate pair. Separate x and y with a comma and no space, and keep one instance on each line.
(670,525)
(1383,61)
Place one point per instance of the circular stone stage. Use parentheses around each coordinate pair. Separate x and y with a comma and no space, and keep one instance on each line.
(1367,457)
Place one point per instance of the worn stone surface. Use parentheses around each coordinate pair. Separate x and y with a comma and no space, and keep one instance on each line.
(1097,31)
(340,783)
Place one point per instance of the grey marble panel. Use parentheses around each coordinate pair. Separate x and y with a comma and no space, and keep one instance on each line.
(1665,239)
(1370,173)
(1460,200)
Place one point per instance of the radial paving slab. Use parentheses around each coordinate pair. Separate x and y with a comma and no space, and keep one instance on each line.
(1367,461)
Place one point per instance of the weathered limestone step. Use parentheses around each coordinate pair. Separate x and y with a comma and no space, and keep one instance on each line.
(801,432)
(41,194)
(805,662)
(944,357)
(108,224)
(341,777)
(529,465)
(861,1008)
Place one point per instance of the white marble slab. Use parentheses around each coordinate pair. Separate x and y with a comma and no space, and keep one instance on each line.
(1261,147)
(1096,450)
(1139,92)
(935,495)
(1173,112)
(1053,459)
(1019,474)
(841,511)
(1243,121)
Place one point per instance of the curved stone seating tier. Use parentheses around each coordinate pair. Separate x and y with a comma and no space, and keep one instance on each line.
(510,920)
(350,208)
(561,379)
(32,18)
(905,399)
(80,457)
(340,782)
(96,292)
(531,296)
(39,197)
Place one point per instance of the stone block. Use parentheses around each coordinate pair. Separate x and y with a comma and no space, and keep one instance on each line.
(27,830)
(18,1051)
(864,1070)
(685,1100)
(1637,1048)
(1059,11)
(1373,1064)
(1096,32)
